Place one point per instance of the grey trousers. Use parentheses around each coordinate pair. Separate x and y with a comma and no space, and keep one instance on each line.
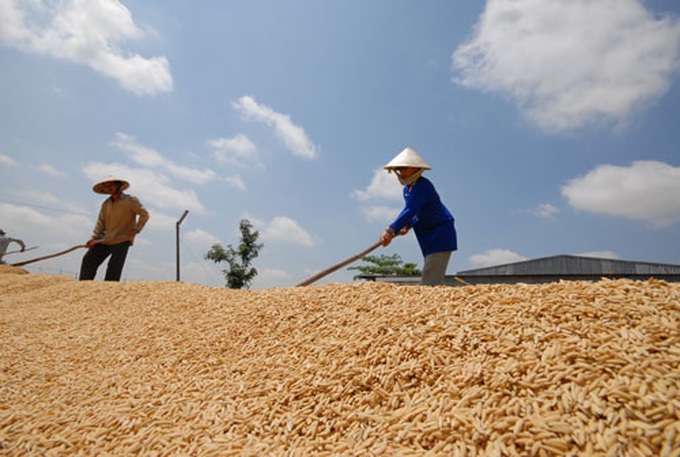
(434,268)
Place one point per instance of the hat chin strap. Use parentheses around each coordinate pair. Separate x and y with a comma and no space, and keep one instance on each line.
(411,179)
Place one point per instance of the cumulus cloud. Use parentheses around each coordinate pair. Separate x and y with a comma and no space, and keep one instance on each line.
(495,257)
(32,224)
(235,182)
(380,213)
(151,158)
(236,151)
(646,191)
(161,221)
(546,211)
(86,32)
(600,255)
(283,228)
(383,186)
(293,136)
(567,64)
(149,186)
(270,277)
(6,161)
(50,170)
(201,237)
(40,197)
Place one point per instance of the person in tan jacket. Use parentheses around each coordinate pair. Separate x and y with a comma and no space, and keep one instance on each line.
(121,218)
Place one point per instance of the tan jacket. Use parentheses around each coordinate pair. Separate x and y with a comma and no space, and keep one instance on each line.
(117,219)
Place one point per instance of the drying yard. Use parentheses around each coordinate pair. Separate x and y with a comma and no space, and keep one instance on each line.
(364,369)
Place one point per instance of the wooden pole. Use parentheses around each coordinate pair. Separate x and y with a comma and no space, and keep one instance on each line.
(26,262)
(337,266)
(18,251)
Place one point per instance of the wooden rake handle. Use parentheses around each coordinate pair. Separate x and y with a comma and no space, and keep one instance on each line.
(19,251)
(337,266)
(38,259)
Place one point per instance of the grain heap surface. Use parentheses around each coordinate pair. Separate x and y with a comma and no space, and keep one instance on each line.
(9,269)
(164,368)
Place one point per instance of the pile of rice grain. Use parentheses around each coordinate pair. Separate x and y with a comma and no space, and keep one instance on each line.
(9,269)
(366,369)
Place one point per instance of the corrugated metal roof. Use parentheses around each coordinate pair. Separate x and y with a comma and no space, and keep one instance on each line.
(551,269)
(575,265)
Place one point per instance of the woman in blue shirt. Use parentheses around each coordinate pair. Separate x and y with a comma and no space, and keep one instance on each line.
(424,211)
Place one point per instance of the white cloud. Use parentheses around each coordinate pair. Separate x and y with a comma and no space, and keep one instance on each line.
(52,202)
(85,32)
(160,221)
(600,255)
(380,213)
(286,229)
(567,64)
(41,197)
(647,191)
(495,257)
(546,211)
(150,187)
(201,237)
(151,158)
(270,277)
(32,224)
(237,151)
(7,161)
(383,186)
(236,182)
(50,170)
(201,272)
(292,135)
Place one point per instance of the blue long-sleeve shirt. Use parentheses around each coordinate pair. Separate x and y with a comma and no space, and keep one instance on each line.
(432,222)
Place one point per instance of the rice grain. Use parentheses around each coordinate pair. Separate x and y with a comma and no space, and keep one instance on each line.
(166,368)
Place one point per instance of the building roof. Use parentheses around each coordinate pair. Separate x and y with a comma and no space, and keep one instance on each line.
(550,269)
(575,265)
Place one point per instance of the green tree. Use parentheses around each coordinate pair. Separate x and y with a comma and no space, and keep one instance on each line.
(386,265)
(240,272)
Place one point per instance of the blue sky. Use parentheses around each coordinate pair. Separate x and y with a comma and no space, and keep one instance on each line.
(551,127)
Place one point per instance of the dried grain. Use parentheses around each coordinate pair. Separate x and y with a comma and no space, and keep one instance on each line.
(166,368)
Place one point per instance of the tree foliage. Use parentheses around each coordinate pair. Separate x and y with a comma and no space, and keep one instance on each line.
(386,265)
(240,272)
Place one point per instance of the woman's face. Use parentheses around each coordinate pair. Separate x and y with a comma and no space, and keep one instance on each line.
(406,172)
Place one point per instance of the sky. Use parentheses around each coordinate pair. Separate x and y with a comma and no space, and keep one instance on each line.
(551,128)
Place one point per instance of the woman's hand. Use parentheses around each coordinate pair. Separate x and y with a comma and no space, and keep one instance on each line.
(387,235)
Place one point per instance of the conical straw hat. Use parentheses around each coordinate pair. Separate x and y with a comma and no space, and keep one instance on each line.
(99,187)
(407,158)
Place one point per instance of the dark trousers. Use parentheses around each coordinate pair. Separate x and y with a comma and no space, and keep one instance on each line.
(96,255)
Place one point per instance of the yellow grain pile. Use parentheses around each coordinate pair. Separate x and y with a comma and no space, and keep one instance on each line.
(8,269)
(163,368)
